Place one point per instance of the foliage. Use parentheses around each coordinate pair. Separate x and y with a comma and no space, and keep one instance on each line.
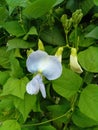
(71,101)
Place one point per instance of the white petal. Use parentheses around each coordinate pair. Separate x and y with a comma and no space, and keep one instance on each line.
(74,65)
(41,86)
(36,59)
(52,68)
(33,86)
(42,89)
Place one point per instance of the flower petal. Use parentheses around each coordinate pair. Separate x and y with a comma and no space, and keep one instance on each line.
(40,61)
(52,69)
(41,86)
(36,59)
(33,86)
(42,89)
(74,65)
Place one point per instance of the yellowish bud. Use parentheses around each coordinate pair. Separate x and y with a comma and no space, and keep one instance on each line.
(73,51)
(74,65)
(58,53)
(40,45)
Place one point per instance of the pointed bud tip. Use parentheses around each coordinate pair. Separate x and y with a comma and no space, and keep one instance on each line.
(40,45)
(58,53)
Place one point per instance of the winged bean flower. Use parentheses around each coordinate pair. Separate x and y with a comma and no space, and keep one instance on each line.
(44,65)
(74,65)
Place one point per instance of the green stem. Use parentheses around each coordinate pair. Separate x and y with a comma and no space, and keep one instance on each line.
(73,104)
(76,45)
(41,123)
(71,110)
(66,38)
(21,20)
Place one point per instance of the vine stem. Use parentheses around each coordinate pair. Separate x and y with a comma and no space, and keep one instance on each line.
(56,118)
(67,38)
(76,44)
(41,123)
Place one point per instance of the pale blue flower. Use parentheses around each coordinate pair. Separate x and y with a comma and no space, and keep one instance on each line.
(43,64)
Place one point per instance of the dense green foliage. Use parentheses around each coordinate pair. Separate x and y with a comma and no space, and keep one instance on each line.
(72,99)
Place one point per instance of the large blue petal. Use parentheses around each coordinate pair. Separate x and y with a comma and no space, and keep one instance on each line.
(35,60)
(33,86)
(52,69)
(40,61)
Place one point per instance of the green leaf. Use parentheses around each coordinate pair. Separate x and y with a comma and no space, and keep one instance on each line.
(4,58)
(96,2)
(16,70)
(7,109)
(3,77)
(16,87)
(48,127)
(36,9)
(14,28)
(93,33)
(6,102)
(10,125)
(30,128)
(85,5)
(58,110)
(82,120)
(2,2)
(88,102)
(58,2)
(83,41)
(3,15)
(88,77)
(96,128)
(73,127)
(26,105)
(14,3)
(89,59)
(68,84)
(32,31)
(19,43)
(52,36)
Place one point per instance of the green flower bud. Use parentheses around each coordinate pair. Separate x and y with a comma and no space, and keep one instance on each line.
(59,11)
(76,17)
(66,23)
(63,19)
(40,45)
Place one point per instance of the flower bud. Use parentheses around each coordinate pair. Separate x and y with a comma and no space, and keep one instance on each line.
(76,17)
(40,45)
(66,23)
(58,53)
(63,19)
(74,65)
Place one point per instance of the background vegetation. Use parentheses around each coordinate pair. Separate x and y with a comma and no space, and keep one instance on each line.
(72,100)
